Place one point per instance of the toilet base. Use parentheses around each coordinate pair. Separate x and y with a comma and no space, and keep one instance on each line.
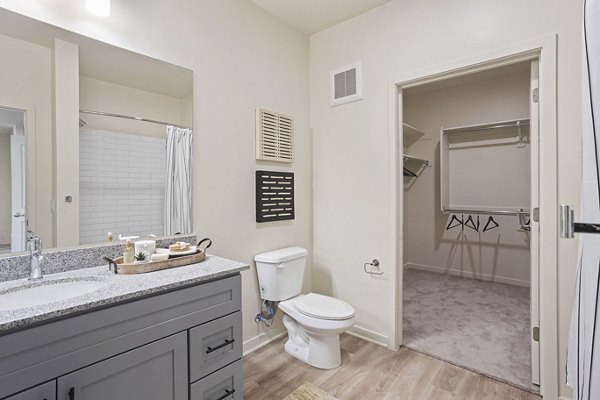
(316,349)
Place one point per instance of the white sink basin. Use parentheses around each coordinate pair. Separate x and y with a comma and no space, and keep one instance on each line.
(46,292)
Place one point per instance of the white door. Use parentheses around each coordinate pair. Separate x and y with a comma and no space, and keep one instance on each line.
(535,226)
(17,167)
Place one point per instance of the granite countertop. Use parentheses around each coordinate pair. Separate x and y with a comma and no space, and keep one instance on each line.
(117,289)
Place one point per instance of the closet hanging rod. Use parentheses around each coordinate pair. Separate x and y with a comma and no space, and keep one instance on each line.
(486,212)
(516,123)
(107,114)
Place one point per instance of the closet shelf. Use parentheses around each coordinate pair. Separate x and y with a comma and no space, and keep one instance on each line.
(411,132)
(420,161)
(493,155)
(415,159)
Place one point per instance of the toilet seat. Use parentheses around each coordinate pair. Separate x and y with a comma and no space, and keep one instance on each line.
(324,307)
(313,323)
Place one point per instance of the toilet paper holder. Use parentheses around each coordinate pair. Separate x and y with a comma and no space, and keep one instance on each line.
(374,263)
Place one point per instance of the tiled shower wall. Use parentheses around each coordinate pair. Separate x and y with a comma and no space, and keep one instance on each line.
(121,184)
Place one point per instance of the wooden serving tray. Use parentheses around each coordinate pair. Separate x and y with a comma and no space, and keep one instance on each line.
(118,267)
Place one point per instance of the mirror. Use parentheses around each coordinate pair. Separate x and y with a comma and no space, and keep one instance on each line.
(93,139)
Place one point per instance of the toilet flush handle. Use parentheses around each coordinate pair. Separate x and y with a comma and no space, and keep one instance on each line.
(374,263)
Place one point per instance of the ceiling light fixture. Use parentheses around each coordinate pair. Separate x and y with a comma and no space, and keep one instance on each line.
(100,8)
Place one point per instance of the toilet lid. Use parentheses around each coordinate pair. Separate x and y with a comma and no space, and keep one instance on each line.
(324,307)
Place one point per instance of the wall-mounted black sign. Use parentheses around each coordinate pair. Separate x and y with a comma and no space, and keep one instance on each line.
(274,196)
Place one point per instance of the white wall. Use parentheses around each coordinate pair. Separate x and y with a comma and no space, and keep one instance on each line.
(351,167)
(66,143)
(121,185)
(187,110)
(242,58)
(486,176)
(97,95)
(26,83)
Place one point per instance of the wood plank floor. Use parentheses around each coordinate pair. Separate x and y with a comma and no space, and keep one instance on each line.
(370,372)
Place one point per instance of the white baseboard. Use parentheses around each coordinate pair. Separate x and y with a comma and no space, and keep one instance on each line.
(261,340)
(468,274)
(255,343)
(368,335)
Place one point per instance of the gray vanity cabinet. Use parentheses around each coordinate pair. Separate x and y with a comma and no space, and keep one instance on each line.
(46,391)
(160,347)
(157,371)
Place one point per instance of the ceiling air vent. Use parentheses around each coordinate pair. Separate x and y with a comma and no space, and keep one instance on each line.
(274,136)
(346,84)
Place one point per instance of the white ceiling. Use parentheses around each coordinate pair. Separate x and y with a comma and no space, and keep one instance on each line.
(312,16)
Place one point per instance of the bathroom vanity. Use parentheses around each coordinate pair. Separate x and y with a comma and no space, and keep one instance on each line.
(173,334)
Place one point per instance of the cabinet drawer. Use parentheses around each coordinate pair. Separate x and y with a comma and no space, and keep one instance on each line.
(225,384)
(46,391)
(214,345)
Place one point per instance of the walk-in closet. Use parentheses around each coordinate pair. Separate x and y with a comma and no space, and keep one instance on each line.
(470,154)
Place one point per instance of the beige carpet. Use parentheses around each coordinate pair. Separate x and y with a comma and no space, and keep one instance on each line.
(309,391)
(483,326)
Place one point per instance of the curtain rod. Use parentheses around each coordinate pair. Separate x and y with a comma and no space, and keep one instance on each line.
(133,118)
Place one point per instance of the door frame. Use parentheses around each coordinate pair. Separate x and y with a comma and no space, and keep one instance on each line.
(544,50)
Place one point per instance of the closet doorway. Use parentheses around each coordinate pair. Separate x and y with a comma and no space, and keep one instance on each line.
(470,232)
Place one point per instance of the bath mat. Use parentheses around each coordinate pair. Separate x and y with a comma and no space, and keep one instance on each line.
(309,391)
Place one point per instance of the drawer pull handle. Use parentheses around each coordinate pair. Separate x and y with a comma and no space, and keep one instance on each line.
(211,349)
(227,393)
(72,393)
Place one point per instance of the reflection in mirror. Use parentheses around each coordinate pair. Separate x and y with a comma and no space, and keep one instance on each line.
(125,173)
(93,139)
(12,180)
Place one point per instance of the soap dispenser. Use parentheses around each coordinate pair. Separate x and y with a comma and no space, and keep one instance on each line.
(128,253)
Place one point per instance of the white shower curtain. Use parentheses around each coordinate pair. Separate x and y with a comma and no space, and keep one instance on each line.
(178,189)
(583,362)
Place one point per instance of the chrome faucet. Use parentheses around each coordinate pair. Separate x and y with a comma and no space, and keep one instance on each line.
(34,244)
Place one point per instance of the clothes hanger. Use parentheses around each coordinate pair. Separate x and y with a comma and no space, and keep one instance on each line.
(472,225)
(458,222)
(490,221)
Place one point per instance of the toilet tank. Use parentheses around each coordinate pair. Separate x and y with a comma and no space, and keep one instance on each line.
(280,273)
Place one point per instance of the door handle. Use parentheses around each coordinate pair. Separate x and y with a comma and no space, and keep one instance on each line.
(72,393)
(568,226)
(17,215)
(579,227)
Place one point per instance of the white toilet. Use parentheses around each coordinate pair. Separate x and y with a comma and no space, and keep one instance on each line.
(314,322)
